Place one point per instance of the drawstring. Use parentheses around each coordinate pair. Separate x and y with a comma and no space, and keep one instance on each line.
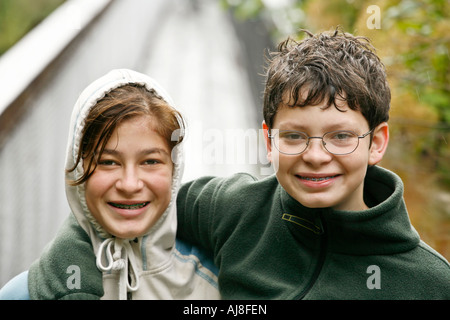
(115,261)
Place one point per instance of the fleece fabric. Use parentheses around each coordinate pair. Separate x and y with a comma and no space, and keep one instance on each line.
(269,246)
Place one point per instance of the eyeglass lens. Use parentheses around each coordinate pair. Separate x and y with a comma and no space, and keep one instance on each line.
(336,142)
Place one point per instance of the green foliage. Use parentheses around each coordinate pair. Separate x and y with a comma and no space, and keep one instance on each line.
(17,17)
(244,9)
(425,65)
(427,59)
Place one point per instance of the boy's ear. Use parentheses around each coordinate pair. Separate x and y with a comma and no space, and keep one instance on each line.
(267,141)
(380,142)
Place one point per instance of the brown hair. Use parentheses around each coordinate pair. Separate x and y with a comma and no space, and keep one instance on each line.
(327,66)
(118,105)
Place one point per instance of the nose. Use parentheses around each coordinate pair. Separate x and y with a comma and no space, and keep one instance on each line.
(129,182)
(315,152)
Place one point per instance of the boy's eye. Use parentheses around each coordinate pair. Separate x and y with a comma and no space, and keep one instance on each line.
(342,136)
(292,135)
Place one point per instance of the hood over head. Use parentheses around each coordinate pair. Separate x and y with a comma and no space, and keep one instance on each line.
(159,239)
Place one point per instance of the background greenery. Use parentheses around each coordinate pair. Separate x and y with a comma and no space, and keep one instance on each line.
(17,17)
(414,43)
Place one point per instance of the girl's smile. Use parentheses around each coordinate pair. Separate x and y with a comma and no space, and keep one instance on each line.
(131,185)
(129,210)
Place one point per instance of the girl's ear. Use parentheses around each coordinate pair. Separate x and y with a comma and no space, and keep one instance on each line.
(267,141)
(380,142)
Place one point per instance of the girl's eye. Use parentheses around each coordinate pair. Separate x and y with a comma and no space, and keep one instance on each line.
(151,161)
(107,162)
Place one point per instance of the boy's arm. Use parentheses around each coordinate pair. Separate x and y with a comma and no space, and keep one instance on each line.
(210,208)
(195,210)
(67,268)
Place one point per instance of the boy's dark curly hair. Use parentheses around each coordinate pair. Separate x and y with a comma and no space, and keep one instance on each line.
(324,67)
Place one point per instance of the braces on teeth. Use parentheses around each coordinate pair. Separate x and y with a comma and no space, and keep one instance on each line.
(317,179)
(129,206)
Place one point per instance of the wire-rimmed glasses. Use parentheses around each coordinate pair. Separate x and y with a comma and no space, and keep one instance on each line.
(339,142)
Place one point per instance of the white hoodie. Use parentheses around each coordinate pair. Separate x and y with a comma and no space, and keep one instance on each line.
(152,266)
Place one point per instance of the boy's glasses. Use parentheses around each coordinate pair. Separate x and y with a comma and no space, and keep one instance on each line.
(336,142)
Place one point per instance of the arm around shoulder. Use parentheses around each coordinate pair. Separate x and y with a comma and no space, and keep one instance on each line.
(202,204)
(193,199)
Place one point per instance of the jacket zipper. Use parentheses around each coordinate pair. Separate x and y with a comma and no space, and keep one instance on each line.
(320,262)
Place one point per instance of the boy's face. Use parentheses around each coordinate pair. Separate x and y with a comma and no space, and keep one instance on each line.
(131,187)
(317,178)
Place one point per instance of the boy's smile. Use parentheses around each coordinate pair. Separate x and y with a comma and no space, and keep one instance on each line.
(317,178)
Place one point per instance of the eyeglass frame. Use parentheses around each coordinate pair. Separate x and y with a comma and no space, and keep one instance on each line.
(323,142)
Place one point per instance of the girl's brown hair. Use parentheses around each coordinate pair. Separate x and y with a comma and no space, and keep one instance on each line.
(118,105)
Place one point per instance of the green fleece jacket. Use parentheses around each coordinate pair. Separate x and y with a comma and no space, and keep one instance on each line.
(66,269)
(269,246)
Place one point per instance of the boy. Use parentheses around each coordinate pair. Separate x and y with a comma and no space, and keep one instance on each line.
(330,224)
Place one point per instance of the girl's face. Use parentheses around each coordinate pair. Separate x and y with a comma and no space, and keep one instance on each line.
(131,187)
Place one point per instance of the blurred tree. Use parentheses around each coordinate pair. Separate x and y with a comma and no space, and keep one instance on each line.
(17,17)
(423,66)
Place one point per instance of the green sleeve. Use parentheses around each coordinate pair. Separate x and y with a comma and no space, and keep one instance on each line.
(210,208)
(195,209)
(66,269)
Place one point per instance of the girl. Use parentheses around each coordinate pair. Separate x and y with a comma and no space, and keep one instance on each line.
(123,171)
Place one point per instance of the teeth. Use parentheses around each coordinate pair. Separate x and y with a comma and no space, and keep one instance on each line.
(317,179)
(129,206)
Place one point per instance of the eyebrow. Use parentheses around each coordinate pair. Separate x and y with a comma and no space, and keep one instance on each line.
(291,126)
(141,152)
(288,125)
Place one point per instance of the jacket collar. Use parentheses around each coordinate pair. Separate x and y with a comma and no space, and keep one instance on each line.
(384,228)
